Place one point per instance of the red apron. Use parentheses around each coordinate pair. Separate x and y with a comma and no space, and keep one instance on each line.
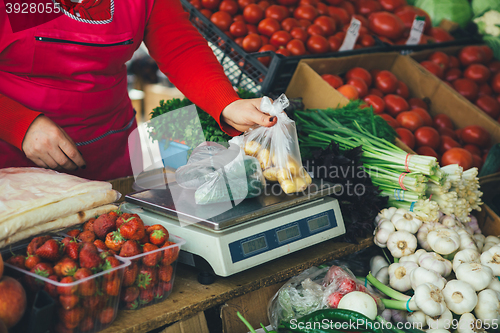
(74,72)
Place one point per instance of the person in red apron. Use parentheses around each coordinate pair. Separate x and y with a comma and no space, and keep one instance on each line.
(63,84)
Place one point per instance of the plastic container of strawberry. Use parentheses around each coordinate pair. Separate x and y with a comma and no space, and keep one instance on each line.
(150,277)
(86,305)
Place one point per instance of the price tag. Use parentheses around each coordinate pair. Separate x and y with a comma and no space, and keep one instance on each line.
(351,35)
(417,29)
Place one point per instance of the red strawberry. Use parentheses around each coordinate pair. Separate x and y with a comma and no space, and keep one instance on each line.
(92,303)
(87,324)
(130,248)
(144,239)
(100,245)
(112,286)
(18,261)
(111,262)
(132,228)
(69,290)
(114,214)
(73,233)
(36,243)
(72,249)
(130,294)
(132,305)
(115,241)
(71,318)
(66,241)
(165,273)
(124,217)
(31,261)
(60,328)
(146,296)
(68,267)
(107,315)
(167,286)
(130,274)
(86,236)
(170,254)
(147,277)
(103,225)
(50,288)
(151,259)
(50,250)
(87,288)
(89,256)
(89,225)
(43,269)
(158,235)
(68,302)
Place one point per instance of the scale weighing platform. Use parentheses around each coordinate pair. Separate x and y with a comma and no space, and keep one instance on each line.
(251,233)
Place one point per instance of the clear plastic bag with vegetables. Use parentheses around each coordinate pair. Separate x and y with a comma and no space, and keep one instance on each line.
(277,148)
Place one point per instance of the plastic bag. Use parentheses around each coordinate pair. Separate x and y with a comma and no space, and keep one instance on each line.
(277,148)
(314,289)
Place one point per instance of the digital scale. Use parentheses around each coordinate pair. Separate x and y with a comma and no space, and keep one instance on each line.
(251,233)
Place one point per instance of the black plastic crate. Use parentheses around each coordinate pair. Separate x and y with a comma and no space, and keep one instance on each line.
(244,69)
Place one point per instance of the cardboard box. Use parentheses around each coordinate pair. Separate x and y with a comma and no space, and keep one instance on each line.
(197,323)
(316,93)
(488,220)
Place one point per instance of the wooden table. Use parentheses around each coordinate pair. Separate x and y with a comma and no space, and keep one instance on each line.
(190,297)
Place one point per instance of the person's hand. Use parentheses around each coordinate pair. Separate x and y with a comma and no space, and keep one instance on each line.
(244,113)
(48,146)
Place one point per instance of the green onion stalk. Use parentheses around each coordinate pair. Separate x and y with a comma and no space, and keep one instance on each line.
(398,301)
(400,195)
(427,210)
(382,177)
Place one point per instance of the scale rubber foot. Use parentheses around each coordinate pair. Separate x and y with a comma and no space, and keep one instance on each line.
(206,278)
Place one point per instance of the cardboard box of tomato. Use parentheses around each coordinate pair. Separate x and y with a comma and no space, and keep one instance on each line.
(418,85)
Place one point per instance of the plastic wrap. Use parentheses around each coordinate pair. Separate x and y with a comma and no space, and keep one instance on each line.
(277,148)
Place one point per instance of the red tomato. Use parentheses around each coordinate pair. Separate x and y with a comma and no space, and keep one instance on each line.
(452,74)
(489,105)
(477,161)
(252,29)
(252,43)
(376,92)
(315,29)
(268,27)
(488,53)
(458,156)
(392,5)
(313,3)
(243,3)
(360,86)
(395,104)
(454,62)
(327,24)
(485,90)
(339,14)
(440,35)
(361,73)
(289,23)
(238,29)
(304,23)
(264,4)
(386,24)
(427,151)
(433,68)
(334,80)
(334,2)
(426,117)
(408,13)
(296,47)
(442,120)
(366,40)
(386,82)
(283,51)
(210,4)
(265,39)
(279,13)
(448,132)
(306,12)
(473,149)
(418,103)
(402,90)
(410,120)
(427,136)
(266,60)
(495,83)
(229,6)
(349,7)
(374,72)
(348,91)
(222,20)
(239,18)
(287,2)
(391,121)
(239,41)
(376,102)
(366,7)
(447,143)
(441,59)
(476,135)
(317,44)
(471,55)
(280,38)
(466,88)
(477,73)
(299,33)
(406,136)
(335,43)
(364,21)
(206,12)
(340,35)
(494,66)
(253,13)
(196,4)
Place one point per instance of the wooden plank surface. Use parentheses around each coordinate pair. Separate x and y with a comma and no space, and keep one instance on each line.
(190,297)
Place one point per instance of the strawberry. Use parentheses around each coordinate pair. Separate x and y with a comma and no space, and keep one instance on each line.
(18,261)
(92,304)
(50,288)
(107,315)
(151,259)
(73,233)
(68,302)
(112,286)
(130,294)
(87,288)
(144,239)
(147,277)
(114,214)
(86,236)
(89,225)
(115,241)
(89,257)
(66,241)
(170,254)
(87,324)
(132,305)
(124,217)
(130,274)
(130,248)
(167,286)
(71,318)
(43,269)
(72,249)
(100,245)
(60,328)
(132,228)
(69,290)
(146,296)
(36,243)
(158,292)
(50,250)
(103,225)
(165,273)
(158,235)
(111,262)
(31,261)
(68,267)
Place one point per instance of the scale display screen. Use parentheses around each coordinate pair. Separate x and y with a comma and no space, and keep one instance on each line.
(254,245)
(288,233)
(318,223)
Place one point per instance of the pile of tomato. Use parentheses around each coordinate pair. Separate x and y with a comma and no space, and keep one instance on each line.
(299,27)
(432,136)
(473,72)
